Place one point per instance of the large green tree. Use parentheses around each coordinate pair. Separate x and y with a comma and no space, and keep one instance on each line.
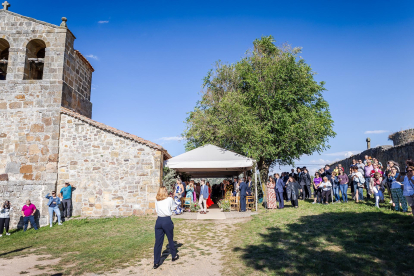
(266,106)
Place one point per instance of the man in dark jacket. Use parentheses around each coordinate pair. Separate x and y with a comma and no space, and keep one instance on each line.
(243,193)
(305,181)
(327,173)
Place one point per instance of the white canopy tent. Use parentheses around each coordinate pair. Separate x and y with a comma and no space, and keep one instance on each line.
(211,161)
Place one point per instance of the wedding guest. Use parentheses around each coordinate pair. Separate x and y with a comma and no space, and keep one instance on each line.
(358,182)
(409,188)
(293,189)
(335,187)
(317,191)
(184,183)
(235,186)
(243,194)
(209,201)
(327,172)
(361,167)
(397,190)
(375,187)
(164,206)
(343,185)
(367,174)
(66,193)
(5,210)
(271,195)
(28,212)
(203,198)
(197,190)
(53,205)
(304,181)
(178,192)
(279,190)
(190,193)
(326,190)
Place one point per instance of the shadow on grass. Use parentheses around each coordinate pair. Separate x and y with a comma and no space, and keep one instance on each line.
(13,251)
(348,243)
(166,252)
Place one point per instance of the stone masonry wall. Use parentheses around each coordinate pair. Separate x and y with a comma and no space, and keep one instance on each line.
(29,115)
(402,137)
(77,75)
(383,154)
(113,175)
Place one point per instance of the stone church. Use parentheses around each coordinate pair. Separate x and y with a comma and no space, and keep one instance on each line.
(47,136)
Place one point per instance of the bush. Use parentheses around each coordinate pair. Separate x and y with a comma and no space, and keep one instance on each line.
(224,204)
(194,207)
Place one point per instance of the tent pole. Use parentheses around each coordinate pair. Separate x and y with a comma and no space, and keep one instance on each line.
(255,185)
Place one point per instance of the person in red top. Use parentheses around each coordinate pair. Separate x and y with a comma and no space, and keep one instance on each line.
(28,211)
(209,201)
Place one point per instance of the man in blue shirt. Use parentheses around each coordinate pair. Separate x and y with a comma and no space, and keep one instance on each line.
(66,193)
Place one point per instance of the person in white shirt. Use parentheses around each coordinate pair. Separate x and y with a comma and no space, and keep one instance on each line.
(326,186)
(358,182)
(164,225)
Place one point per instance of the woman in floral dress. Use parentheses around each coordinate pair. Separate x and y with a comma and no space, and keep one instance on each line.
(179,188)
(271,194)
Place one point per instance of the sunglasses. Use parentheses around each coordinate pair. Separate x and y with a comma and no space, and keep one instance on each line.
(409,170)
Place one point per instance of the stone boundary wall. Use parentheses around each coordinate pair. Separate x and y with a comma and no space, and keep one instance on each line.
(383,154)
(402,137)
(113,175)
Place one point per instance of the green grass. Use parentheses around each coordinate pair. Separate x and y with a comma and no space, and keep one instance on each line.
(86,245)
(338,239)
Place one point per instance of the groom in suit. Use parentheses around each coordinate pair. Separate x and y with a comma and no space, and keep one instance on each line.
(243,193)
(203,197)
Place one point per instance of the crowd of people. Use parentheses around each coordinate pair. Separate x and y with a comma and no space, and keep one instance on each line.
(55,203)
(331,185)
(206,195)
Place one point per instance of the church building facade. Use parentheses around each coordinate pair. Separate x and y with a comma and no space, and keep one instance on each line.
(47,136)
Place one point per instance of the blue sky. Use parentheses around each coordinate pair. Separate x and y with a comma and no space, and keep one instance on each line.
(151,56)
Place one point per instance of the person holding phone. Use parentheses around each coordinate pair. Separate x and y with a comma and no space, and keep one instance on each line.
(53,204)
(5,217)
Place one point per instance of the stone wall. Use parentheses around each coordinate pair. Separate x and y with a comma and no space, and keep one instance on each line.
(113,175)
(77,74)
(383,154)
(29,115)
(402,137)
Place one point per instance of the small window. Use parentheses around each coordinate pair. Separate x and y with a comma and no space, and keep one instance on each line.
(4,58)
(35,60)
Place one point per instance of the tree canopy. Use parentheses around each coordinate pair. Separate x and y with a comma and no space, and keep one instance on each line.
(266,106)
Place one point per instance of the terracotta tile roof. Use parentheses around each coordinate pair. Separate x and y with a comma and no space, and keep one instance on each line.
(115,131)
(84,60)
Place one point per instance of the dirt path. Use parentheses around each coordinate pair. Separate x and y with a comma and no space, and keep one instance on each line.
(201,244)
(28,265)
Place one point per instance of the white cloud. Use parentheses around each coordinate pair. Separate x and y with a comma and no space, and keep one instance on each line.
(376,131)
(321,161)
(103,22)
(343,153)
(92,56)
(173,138)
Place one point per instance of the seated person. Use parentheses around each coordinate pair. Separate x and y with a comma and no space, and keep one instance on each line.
(326,189)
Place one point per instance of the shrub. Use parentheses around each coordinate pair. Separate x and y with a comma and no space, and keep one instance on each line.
(224,204)
(194,207)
